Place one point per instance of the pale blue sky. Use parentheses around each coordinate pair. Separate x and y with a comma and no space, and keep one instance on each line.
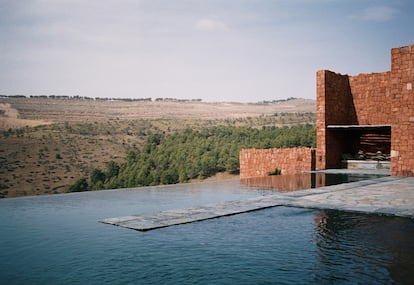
(228,50)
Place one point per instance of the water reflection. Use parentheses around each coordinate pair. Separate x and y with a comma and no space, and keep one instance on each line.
(285,183)
(375,247)
(302,181)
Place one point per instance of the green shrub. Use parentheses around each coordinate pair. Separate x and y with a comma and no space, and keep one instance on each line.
(196,153)
(79,186)
(277,171)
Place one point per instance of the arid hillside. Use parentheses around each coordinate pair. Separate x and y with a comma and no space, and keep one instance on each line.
(47,144)
(59,110)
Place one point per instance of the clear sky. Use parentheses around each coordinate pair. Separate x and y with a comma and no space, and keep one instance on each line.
(215,50)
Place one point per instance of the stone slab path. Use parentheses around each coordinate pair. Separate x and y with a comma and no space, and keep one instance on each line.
(386,196)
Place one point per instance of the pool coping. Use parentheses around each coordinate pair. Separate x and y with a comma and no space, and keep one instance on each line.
(389,195)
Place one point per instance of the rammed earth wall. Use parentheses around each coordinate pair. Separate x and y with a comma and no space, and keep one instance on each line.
(260,162)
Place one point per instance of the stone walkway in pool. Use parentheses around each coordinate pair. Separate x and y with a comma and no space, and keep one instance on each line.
(388,195)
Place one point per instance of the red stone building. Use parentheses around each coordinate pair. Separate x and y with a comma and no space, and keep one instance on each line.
(367,112)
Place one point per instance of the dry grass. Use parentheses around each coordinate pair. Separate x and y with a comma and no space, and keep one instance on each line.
(58,110)
(47,144)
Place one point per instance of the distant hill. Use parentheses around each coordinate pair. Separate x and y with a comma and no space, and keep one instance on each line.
(47,144)
(61,110)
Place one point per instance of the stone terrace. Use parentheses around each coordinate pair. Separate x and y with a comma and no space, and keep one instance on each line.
(389,195)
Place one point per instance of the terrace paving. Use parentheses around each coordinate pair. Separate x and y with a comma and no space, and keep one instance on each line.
(388,195)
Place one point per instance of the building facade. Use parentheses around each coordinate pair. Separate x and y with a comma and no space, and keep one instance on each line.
(367,113)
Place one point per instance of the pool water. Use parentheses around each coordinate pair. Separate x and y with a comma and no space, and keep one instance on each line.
(57,239)
(295,182)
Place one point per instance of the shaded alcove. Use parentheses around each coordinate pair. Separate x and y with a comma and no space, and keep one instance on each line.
(357,142)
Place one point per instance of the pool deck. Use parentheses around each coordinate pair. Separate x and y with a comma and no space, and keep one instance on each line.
(388,195)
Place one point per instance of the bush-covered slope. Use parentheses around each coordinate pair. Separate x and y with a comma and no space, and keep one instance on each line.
(188,154)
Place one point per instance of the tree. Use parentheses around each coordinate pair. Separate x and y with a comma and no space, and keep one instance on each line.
(232,165)
(112,169)
(195,153)
(169,176)
(79,186)
(97,175)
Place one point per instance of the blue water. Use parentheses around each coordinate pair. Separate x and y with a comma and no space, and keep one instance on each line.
(57,239)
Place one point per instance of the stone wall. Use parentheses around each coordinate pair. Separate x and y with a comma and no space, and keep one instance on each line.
(320,120)
(260,162)
(371,98)
(363,99)
(334,106)
(402,111)
(385,98)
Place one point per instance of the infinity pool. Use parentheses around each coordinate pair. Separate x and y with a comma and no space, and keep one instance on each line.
(57,240)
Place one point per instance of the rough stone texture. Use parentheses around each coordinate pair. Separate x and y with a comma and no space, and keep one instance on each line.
(371,98)
(259,162)
(320,120)
(381,99)
(334,107)
(368,99)
(402,111)
(348,100)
